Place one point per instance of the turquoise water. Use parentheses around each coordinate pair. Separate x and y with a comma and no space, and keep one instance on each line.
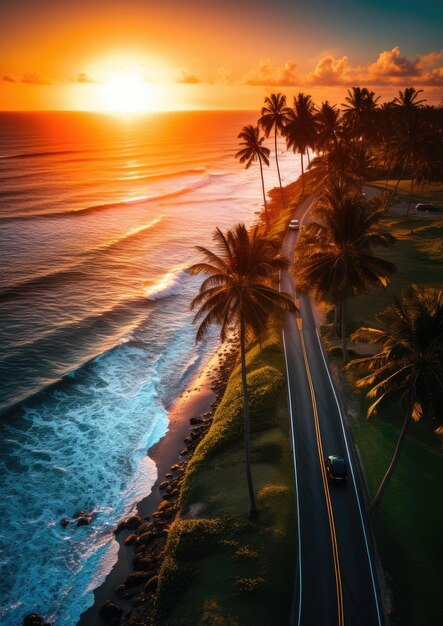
(99,217)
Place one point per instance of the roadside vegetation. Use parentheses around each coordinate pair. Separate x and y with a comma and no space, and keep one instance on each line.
(222,566)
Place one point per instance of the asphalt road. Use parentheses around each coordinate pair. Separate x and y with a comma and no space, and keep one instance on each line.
(336,577)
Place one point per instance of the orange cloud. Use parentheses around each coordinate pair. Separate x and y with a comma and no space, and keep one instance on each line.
(34,79)
(271,75)
(330,71)
(392,63)
(187,78)
(84,78)
(31,79)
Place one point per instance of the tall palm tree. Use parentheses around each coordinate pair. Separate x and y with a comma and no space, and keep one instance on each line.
(237,295)
(361,161)
(273,117)
(252,151)
(407,99)
(359,112)
(335,164)
(328,126)
(300,129)
(411,149)
(334,255)
(407,368)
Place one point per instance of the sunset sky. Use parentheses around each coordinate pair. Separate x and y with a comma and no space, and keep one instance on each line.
(213,54)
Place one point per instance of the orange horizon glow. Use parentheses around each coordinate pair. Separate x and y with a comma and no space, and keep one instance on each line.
(95,56)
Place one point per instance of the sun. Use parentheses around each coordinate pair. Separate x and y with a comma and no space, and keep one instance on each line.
(128,93)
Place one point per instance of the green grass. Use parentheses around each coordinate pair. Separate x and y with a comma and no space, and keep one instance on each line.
(409,521)
(426,192)
(411,254)
(222,569)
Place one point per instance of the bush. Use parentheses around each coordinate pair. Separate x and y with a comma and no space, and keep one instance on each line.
(194,538)
(249,584)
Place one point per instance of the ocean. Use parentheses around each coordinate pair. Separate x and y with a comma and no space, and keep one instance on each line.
(99,216)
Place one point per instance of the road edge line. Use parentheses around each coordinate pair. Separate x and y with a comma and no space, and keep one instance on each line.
(296,481)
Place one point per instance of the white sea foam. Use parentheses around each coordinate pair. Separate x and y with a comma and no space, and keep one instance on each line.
(171,284)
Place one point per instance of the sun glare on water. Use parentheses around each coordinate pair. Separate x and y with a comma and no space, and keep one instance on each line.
(128,93)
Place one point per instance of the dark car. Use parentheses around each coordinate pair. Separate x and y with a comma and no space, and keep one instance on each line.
(421,206)
(336,469)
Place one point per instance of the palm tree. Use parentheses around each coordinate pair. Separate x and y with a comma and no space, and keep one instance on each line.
(273,117)
(359,112)
(237,295)
(300,129)
(252,151)
(411,149)
(407,368)
(335,164)
(407,99)
(334,255)
(328,126)
(361,162)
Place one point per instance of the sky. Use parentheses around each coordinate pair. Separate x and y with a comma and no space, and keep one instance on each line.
(134,55)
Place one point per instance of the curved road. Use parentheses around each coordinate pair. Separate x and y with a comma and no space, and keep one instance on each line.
(336,578)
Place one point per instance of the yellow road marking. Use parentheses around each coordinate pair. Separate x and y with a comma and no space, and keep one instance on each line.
(338,584)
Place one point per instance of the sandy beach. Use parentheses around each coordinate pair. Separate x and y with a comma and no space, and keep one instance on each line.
(199,401)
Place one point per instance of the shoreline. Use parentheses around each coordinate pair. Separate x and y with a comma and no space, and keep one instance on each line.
(199,399)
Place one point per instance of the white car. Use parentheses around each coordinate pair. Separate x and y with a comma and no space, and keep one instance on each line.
(294,225)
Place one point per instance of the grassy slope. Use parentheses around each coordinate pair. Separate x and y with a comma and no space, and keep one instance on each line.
(408,523)
(222,569)
(426,192)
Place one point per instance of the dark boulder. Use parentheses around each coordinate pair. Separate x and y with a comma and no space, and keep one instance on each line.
(146,538)
(151,584)
(135,579)
(120,527)
(195,420)
(110,611)
(83,521)
(33,620)
(134,522)
(64,522)
(130,539)
(142,564)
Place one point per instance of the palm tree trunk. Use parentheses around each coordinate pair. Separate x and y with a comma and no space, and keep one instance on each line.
(393,463)
(302,174)
(343,331)
(337,315)
(252,511)
(278,169)
(309,158)
(264,193)
(410,195)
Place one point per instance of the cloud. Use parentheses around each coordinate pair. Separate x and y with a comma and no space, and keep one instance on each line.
(187,78)
(84,78)
(268,74)
(391,63)
(34,79)
(30,79)
(390,68)
(330,71)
